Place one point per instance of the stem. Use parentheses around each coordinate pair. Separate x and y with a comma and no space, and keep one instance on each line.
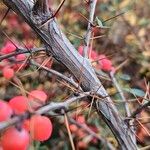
(89,28)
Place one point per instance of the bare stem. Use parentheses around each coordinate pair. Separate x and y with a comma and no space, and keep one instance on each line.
(92,133)
(54,72)
(87,36)
(43,110)
(127,110)
(21,51)
(139,109)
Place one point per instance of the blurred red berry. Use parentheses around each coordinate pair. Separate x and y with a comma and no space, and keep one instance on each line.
(105,63)
(37,98)
(20,62)
(41,128)
(8,48)
(92,53)
(20,57)
(12,21)
(80,119)
(19,104)
(80,133)
(5,111)
(26,30)
(80,50)
(82,145)
(13,139)
(73,128)
(3,63)
(26,125)
(7,72)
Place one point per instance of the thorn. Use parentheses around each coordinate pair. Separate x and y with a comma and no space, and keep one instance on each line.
(113,17)
(92,25)
(5,15)
(9,39)
(59,7)
(54,15)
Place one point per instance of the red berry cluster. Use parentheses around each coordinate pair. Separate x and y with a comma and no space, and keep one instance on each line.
(39,127)
(6,66)
(102,61)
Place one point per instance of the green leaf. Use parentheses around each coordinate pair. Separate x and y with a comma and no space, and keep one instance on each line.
(134,91)
(100,24)
(125,77)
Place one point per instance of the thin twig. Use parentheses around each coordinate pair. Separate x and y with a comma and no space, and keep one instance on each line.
(43,110)
(120,14)
(54,15)
(92,133)
(6,13)
(139,109)
(126,104)
(127,110)
(69,132)
(74,84)
(21,51)
(87,36)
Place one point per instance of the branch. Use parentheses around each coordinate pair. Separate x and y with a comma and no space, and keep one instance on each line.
(139,109)
(92,133)
(43,110)
(54,72)
(89,28)
(127,110)
(21,51)
(126,104)
(62,50)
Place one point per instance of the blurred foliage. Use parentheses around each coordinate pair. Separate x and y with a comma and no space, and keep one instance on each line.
(127,40)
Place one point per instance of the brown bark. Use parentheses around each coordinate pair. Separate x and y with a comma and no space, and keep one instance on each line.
(60,47)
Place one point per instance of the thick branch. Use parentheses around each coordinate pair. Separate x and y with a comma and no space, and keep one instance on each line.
(60,47)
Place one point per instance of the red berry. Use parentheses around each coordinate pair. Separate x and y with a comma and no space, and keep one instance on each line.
(8,73)
(80,119)
(8,48)
(19,104)
(3,63)
(26,125)
(80,49)
(41,128)
(82,145)
(13,21)
(92,53)
(37,98)
(105,63)
(5,111)
(73,128)
(13,139)
(80,133)
(21,57)
(20,62)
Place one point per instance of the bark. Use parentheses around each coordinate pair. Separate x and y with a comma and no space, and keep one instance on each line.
(62,50)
